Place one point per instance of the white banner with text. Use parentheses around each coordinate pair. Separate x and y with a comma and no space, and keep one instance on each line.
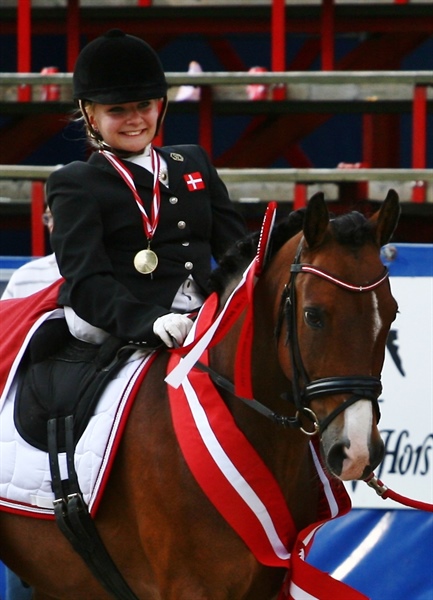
(406,402)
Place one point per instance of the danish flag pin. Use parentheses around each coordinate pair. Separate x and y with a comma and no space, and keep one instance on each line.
(194,181)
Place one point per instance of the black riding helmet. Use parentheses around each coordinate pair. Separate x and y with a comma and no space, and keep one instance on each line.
(116,68)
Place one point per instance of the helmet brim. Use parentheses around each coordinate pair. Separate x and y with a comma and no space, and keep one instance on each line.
(120,96)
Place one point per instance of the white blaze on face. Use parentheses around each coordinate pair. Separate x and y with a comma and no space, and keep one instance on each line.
(358,418)
(358,423)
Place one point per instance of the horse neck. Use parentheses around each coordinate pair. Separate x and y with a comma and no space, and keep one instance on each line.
(285,452)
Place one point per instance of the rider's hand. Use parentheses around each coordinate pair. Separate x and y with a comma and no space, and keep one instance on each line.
(172,326)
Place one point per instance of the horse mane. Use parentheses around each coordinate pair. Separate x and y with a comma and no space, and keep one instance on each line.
(351,229)
(238,257)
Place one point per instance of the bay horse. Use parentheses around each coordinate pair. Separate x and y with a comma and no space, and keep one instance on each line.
(322,311)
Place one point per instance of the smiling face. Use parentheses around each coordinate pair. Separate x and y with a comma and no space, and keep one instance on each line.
(129,126)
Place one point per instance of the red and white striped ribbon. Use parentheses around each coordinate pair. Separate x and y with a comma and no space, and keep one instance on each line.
(149,224)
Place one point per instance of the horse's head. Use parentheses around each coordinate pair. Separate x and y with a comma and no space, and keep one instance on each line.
(334,317)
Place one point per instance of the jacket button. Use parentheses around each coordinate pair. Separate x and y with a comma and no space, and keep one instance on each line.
(173,200)
(188,266)
(181,224)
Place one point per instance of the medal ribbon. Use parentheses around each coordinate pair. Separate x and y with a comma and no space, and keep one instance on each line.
(151,224)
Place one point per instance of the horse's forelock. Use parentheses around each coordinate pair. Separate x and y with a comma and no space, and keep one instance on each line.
(352,229)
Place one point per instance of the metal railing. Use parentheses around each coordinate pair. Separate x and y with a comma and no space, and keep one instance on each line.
(211,78)
(230,176)
(244,185)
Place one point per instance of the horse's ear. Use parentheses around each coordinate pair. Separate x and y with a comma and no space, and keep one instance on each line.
(316,220)
(386,219)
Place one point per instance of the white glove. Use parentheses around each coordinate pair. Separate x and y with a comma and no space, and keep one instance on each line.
(172,326)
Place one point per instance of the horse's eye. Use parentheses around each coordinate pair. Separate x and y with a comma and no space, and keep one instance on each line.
(313,318)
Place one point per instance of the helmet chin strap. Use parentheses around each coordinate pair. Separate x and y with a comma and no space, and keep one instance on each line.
(161,115)
(92,132)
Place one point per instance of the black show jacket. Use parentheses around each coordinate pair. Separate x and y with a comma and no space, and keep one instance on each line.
(98,229)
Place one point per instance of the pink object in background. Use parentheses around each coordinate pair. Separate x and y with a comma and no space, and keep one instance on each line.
(190,92)
(257,91)
(50,92)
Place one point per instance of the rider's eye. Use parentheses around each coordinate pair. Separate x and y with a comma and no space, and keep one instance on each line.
(313,318)
(115,109)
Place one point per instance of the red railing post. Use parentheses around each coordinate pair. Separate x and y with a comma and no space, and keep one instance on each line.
(419,139)
(24,46)
(327,38)
(72,34)
(205,120)
(37,210)
(300,196)
(351,191)
(278,44)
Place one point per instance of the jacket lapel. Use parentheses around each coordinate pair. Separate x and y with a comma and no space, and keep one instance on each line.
(175,164)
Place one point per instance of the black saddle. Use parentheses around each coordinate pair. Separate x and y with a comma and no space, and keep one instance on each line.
(61,376)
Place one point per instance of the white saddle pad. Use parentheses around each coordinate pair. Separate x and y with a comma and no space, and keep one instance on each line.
(25,478)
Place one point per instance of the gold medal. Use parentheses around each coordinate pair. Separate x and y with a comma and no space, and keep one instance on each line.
(145,261)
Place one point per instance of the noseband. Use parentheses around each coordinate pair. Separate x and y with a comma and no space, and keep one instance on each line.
(304,390)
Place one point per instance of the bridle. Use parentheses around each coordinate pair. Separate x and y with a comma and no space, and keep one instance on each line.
(361,387)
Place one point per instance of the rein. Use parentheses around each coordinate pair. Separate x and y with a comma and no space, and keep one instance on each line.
(384,492)
(224,383)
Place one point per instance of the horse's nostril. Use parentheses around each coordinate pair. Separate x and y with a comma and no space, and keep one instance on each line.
(336,456)
(377,452)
